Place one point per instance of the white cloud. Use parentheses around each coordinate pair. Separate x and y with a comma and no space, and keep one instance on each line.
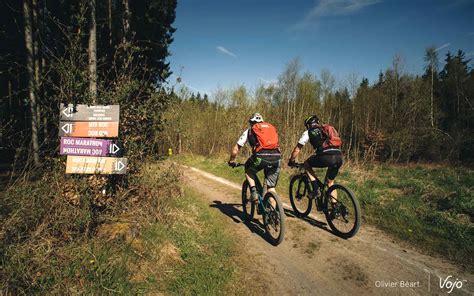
(226,51)
(325,8)
(443,46)
(339,7)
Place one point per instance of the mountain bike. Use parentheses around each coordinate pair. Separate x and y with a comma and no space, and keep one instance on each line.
(269,206)
(338,203)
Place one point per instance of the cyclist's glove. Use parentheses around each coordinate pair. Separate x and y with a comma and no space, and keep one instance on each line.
(232,164)
(291,162)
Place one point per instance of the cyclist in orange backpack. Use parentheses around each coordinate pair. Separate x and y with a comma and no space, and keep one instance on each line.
(266,155)
(327,145)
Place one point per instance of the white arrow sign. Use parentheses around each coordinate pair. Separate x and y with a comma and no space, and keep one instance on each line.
(119,166)
(67,128)
(114,148)
(67,111)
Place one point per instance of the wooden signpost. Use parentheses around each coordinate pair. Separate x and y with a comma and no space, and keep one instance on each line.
(95,165)
(78,127)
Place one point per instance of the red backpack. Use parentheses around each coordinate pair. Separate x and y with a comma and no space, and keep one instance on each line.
(332,137)
(267,136)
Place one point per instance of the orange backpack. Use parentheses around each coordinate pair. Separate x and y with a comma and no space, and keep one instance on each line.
(267,136)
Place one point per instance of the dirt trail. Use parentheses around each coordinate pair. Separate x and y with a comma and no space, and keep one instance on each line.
(313,261)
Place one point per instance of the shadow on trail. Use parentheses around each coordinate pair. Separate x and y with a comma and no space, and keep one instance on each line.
(311,221)
(233,211)
(230,209)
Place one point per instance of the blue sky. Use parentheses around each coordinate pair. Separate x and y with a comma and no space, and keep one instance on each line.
(223,43)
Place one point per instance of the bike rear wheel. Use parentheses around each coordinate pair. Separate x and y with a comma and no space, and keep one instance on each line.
(299,195)
(274,218)
(343,211)
(248,207)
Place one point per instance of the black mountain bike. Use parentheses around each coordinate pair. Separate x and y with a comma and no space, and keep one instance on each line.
(269,206)
(338,203)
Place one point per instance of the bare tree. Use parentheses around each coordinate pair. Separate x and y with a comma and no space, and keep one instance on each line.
(353,82)
(126,21)
(288,83)
(27,14)
(109,19)
(431,57)
(92,53)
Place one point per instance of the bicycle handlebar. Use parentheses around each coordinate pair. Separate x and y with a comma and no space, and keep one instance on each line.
(237,165)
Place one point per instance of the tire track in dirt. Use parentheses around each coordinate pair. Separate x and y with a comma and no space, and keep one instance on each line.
(313,261)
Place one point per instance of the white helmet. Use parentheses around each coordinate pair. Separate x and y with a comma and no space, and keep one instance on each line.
(256,117)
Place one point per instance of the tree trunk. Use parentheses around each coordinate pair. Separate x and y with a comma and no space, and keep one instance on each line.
(92,54)
(36,61)
(432,101)
(352,128)
(45,118)
(396,64)
(126,21)
(10,107)
(109,11)
(31,79)
(457,93)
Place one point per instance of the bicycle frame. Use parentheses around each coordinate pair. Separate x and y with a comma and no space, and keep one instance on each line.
(322,187)
(261,190)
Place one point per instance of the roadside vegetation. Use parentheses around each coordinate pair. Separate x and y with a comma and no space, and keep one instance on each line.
(430,206)
(153,237)
(401,117)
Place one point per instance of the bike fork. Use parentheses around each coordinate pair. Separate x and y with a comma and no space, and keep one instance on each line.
(260,208)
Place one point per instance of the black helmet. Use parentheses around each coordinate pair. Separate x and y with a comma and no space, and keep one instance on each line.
(311,121)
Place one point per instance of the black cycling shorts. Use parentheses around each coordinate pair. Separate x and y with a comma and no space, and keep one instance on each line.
(332,162)
(271,169)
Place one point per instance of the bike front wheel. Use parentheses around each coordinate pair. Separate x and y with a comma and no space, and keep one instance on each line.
(274,218)
(248,207)
(342,211)
(299,195)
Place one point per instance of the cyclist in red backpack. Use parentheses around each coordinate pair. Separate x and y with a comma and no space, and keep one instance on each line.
(266,156)
(327,145)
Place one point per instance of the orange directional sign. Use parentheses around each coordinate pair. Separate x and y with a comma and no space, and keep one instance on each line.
(95,165)
(88,129)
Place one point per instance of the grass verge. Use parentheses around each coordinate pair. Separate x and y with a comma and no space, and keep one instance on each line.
(153,237)
(429,206)
(202,254)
